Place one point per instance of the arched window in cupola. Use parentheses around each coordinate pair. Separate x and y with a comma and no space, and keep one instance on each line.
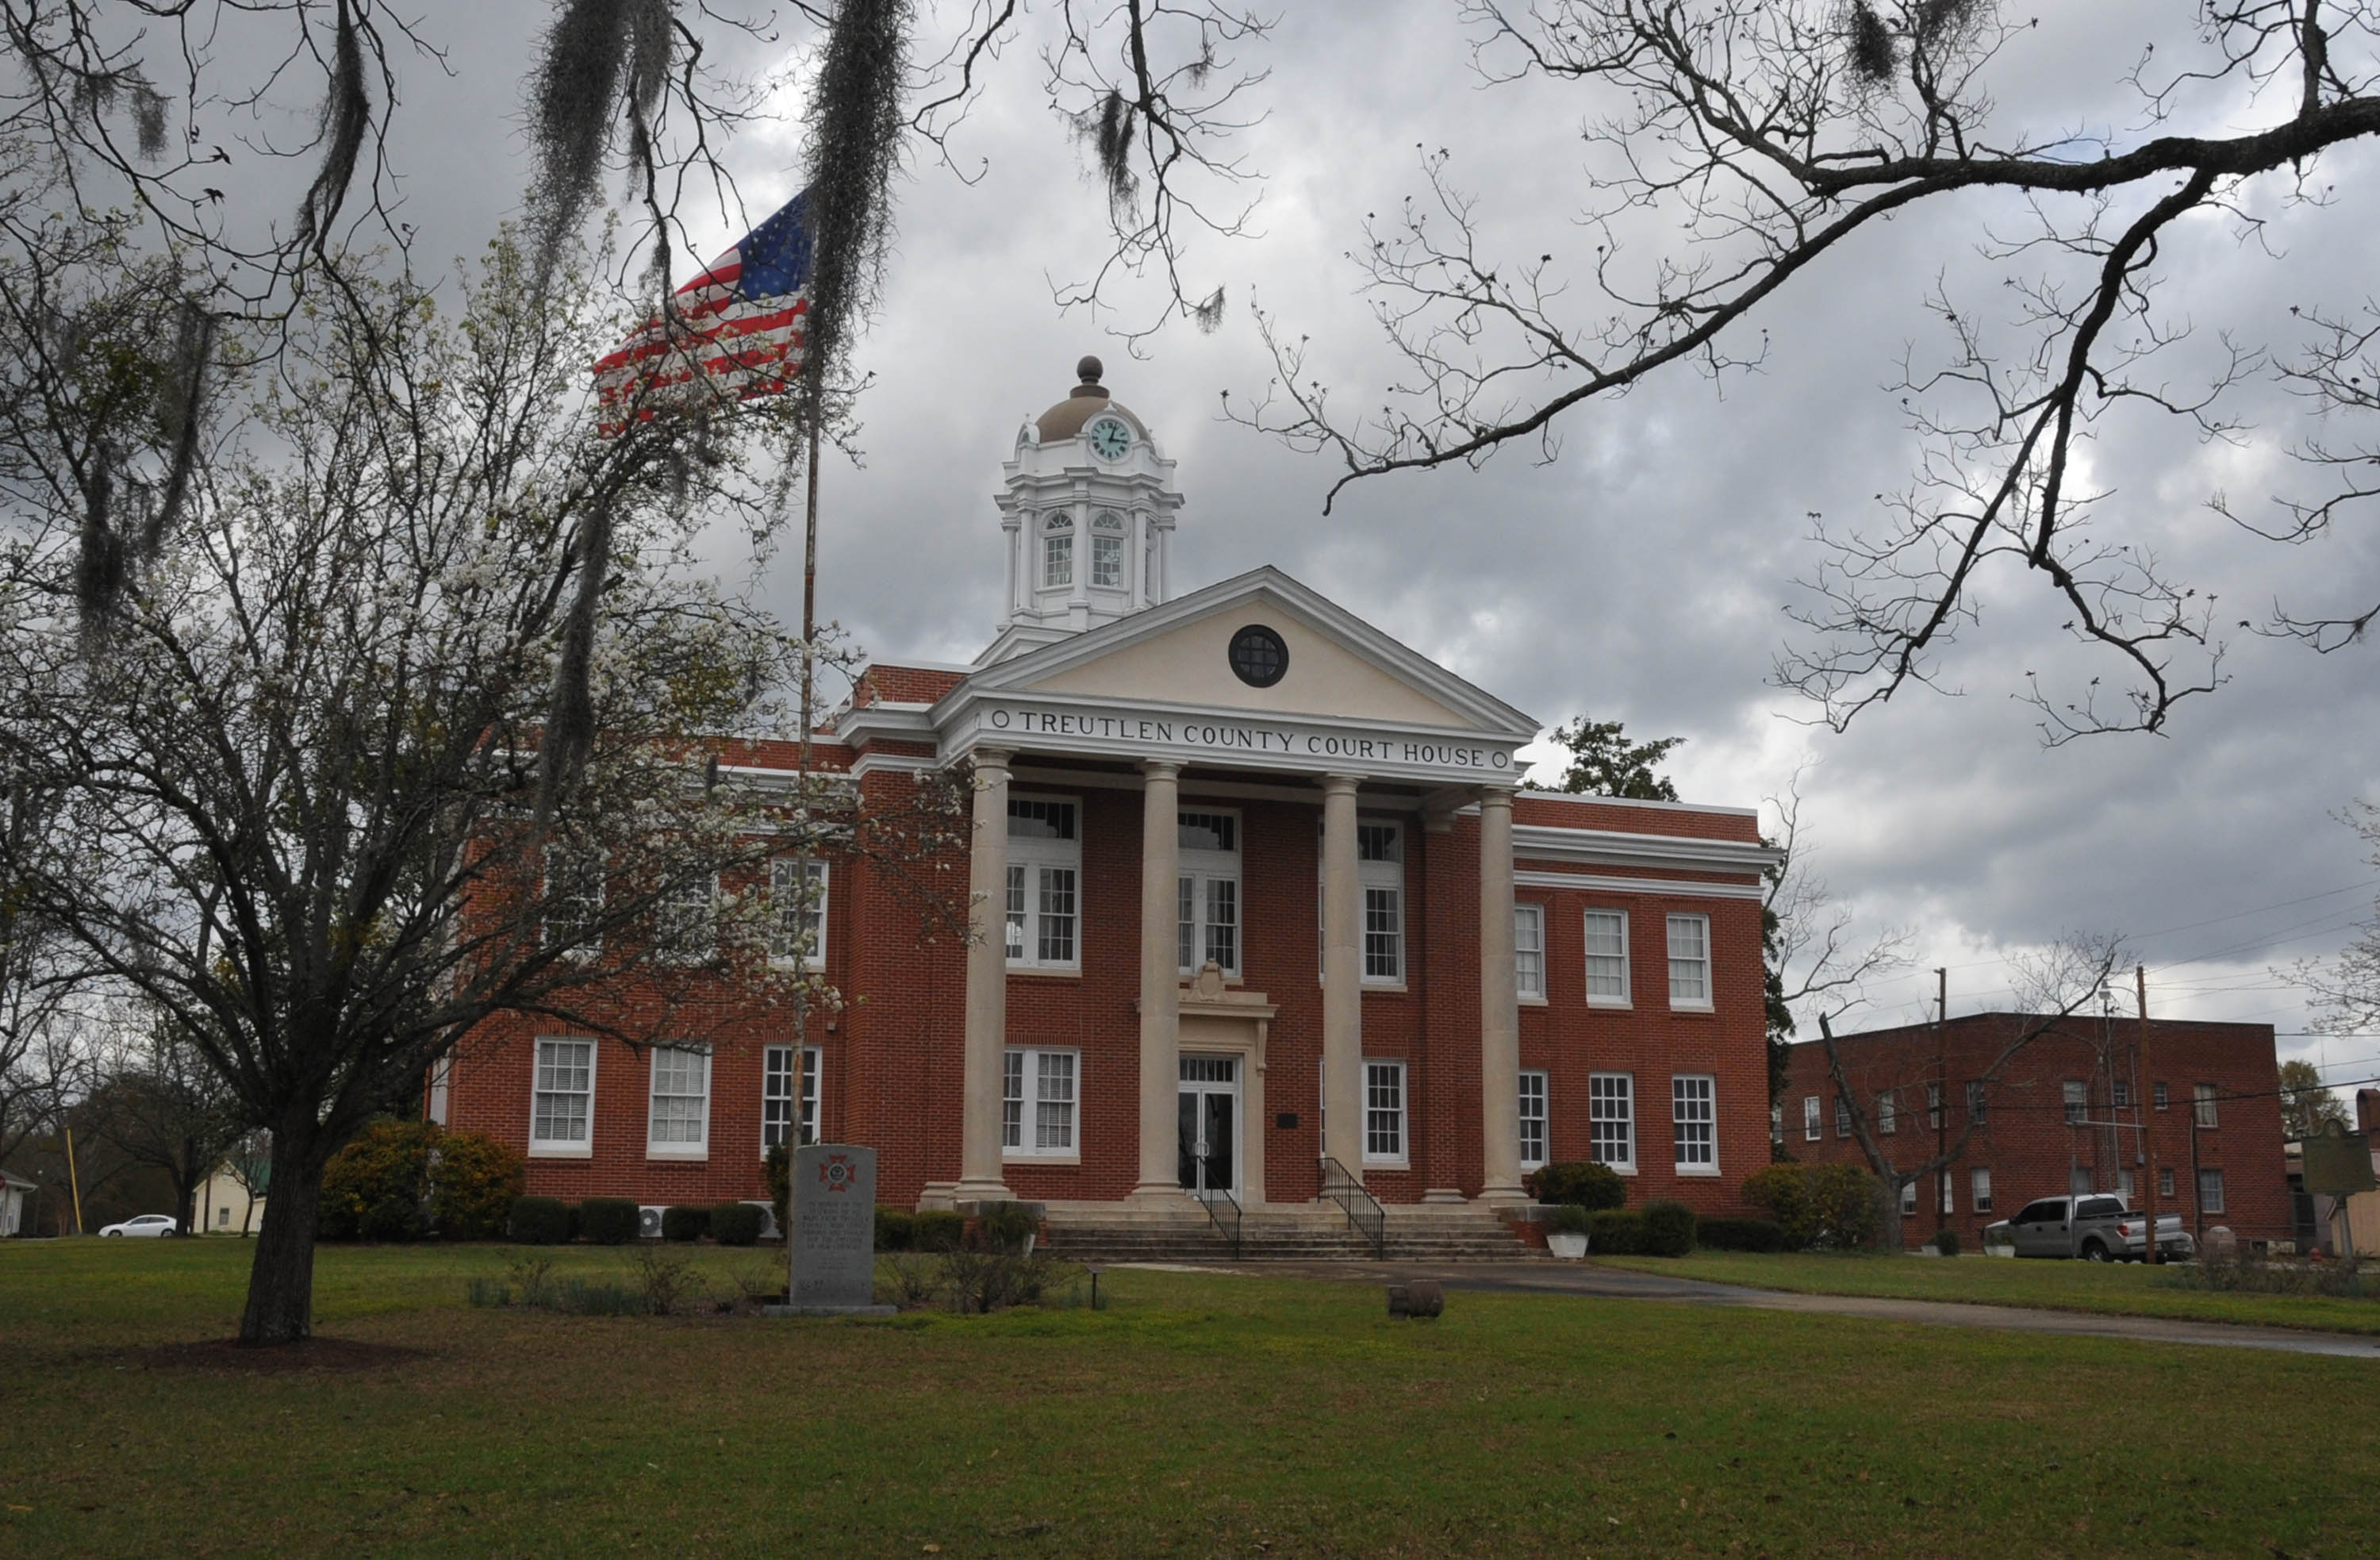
(1107,550)
(1058,551)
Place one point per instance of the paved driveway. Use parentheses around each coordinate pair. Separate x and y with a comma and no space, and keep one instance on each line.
(1582,1278)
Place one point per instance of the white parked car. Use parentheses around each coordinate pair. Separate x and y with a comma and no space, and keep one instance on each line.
(147,1224)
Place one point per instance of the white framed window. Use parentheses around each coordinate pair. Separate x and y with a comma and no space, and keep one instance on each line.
(2078,1180)
(1949,1204)
(1611,1119)
(1045,864)
(1907,1200)
(1380,868)
(1694,1119)
(1384,1113)
(2210,1191)
(1842,1116)
(2158,1094)
(1933,1107)
(1107,550)
(1690,982)
(2078,1101)
(1057,551)
(1606,958)
(2119,1093)
(1533,1120)
(562,1099)
(1975,1101)
(1810,1132)
(798,912)
(685,920)
(2124,1186)
(1777,1123)
(1529,952)
(1887,1113)
(678,1122)
(573,900)
(1979,1190)
(2164,1180)
(1207,911)
(2202,1103)
(1039,1102)
(789,1106)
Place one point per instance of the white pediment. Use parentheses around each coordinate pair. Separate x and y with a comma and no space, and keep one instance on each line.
(1340,669)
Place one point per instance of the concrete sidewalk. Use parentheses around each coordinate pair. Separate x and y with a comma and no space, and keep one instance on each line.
(1620,1284)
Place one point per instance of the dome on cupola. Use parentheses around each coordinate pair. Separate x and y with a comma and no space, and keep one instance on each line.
(1089,398)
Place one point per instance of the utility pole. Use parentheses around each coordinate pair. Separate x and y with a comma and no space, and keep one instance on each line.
(1941,1096)
(74,1181)
(2155,1254)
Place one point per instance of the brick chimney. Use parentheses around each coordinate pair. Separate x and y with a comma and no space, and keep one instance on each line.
(2367,1110)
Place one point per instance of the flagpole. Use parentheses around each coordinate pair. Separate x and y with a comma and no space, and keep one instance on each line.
(795,1078)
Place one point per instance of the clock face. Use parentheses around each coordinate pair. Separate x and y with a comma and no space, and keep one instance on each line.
(1110,437)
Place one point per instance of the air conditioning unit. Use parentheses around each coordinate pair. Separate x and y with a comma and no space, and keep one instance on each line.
(649,1223)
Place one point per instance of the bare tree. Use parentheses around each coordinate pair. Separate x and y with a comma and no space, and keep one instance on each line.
(163,1105)
(304,745)
(2051,988)
(2346,989)
(1759,138)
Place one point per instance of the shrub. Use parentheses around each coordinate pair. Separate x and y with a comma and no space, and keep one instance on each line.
(1947,1242)
(1668,1229)
(897,1228)
(1826,1207)
(1616,1232)
(936,1231)
(474,1181)
(1569,1218)
(1740,1235)
(376,1188)
(685,1223)
(1004,1226)
(608,1221)
(1584,1186)
(778,1165)
(539,1221)
(735,1224)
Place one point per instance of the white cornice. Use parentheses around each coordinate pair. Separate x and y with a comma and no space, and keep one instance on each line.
(1596,884)
(1602,847)
(1526,794)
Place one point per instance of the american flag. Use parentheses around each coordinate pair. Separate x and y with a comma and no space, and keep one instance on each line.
(737,330)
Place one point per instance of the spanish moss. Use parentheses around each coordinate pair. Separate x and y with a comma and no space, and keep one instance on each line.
(856,125)
(347,115)
(1870,46)
(603,61)
(570,721)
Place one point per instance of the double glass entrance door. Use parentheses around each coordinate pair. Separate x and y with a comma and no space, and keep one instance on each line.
(1209,1126)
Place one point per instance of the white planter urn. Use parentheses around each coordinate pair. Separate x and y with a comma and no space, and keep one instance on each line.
(1569,1245)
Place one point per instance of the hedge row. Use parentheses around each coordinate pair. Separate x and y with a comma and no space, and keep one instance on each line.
(613,1221)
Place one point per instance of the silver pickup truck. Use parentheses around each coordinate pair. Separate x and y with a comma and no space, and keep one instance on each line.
(2098,1228)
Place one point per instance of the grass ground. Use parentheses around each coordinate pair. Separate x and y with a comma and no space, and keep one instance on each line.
(2109,1288)
(1199,1415)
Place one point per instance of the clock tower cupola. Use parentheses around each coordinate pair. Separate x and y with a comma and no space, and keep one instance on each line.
(1086,505)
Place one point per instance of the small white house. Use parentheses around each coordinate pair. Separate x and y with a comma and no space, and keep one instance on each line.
(14,1192)
(225,1204)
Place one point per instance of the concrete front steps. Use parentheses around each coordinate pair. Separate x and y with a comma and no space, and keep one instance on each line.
(1278,1233)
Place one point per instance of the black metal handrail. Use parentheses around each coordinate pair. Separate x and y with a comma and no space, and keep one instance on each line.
(1214,1211)
(1365,1214)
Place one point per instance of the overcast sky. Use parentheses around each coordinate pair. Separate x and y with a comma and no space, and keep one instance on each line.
(1643,576)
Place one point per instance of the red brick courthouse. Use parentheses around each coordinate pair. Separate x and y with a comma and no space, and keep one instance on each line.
(2068,1114)
(1256,887)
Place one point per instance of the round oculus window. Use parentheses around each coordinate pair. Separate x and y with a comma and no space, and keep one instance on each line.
(1259,658)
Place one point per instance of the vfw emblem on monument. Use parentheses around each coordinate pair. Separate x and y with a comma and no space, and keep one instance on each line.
(836,1173)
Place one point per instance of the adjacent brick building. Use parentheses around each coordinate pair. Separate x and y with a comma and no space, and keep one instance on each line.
(2072,1112)
(1259,889)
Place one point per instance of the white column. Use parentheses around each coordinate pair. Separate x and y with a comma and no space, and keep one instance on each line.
(1500,1011)
(987,984)
(1160,986)
(1342,977)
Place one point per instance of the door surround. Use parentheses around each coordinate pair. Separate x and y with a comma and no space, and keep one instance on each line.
(1220,1021)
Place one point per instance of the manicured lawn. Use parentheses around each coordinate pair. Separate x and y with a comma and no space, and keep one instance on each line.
(1200,1415)
(2115,1288)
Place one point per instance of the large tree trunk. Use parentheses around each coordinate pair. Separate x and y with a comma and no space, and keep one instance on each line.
(1891,1225)
(281,1279)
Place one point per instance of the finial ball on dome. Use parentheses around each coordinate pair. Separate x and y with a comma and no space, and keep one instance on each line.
(1088,371)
